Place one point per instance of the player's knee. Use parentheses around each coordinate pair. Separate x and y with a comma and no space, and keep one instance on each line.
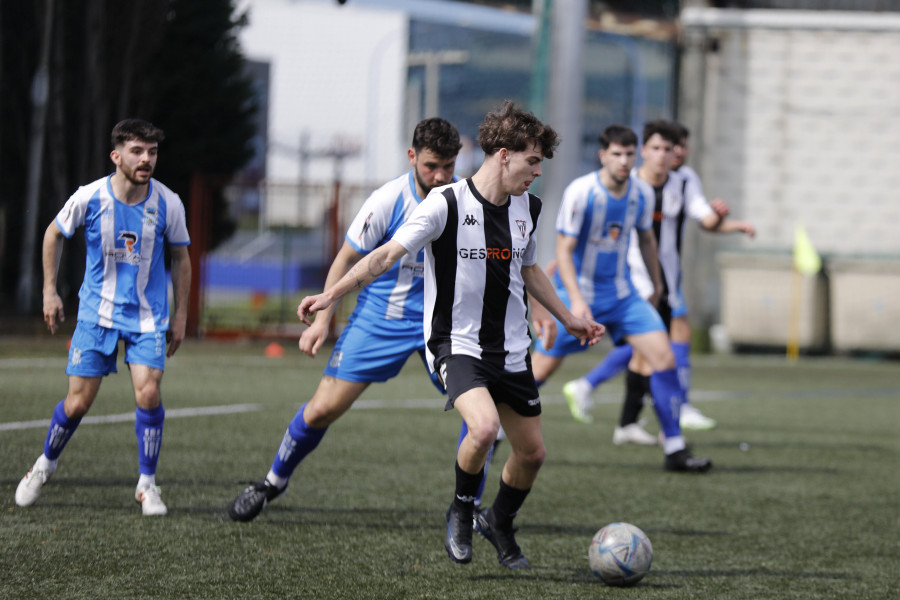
(147,396)
(76,406)
(483,434)
(533,458)
(662,359)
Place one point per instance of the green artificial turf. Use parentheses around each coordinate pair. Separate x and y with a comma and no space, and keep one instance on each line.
(803,500)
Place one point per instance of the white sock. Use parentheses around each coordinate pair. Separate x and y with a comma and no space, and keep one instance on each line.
(279,482)
(45,464)
(146,481)
(674,444)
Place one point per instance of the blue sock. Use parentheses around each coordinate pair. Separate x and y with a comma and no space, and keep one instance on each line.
(682,353)
(61,429)
(615,361)
(148,427)
(299,440)
(463,431)
(667,399)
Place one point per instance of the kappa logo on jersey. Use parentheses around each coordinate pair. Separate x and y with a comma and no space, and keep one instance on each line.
(365,226)
(521,225)
(491,253)
(470,220)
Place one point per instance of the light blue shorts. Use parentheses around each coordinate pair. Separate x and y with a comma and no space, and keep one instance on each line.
(94,350)
(370,351)
(679,307)
(628,316)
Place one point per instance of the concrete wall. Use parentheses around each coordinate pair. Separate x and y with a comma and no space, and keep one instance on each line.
(795,120)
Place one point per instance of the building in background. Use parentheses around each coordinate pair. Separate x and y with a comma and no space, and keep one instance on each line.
(795,122)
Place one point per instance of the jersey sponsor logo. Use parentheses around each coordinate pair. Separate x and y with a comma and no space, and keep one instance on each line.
(521,225)
(612,231)
(491,253)
(470,220)
(365,227)
(417,268)
(127,254)
(130,238)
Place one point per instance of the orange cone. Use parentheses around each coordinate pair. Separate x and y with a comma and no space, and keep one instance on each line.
(274,350)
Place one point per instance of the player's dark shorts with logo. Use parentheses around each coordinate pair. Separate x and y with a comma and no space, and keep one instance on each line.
(461,373)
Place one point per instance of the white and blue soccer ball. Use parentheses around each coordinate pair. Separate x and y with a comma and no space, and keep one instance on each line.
(620,554)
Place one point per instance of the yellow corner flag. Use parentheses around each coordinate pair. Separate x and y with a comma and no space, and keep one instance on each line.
(806,259)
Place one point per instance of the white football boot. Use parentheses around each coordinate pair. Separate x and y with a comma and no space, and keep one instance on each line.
(151,504)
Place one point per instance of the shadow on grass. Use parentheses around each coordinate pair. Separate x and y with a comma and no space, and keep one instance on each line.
(755,573)
(653,580)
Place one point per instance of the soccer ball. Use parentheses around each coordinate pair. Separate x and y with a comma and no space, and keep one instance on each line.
(620,554)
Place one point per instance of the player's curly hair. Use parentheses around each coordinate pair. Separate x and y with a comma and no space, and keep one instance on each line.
(515,129)
(437,135)
(667,130)
(617,134)
(136,129)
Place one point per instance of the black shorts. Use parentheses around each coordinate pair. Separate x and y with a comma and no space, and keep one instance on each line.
(460,373)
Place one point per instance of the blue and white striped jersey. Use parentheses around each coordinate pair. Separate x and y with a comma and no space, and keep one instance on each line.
(398,293)
(125,283)
(602,225)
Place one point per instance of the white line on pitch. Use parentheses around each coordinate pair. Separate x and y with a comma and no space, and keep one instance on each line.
(173,413)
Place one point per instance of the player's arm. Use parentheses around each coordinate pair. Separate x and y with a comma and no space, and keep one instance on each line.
(51,250)
(649,252)
(718,221)
(364,272)
(540,288)
(313,338)
(543,322)
(565,267)
(181,289)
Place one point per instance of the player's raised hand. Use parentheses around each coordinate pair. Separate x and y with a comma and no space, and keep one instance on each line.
(53,310)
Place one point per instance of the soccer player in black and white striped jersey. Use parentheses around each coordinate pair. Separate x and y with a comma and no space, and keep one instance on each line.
(480,244)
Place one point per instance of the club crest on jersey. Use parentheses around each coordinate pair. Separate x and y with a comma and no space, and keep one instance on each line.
(470,220)
(521,225)
(149,216)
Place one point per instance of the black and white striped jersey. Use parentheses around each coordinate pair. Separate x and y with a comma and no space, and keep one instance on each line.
(681,197)
(475,302)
